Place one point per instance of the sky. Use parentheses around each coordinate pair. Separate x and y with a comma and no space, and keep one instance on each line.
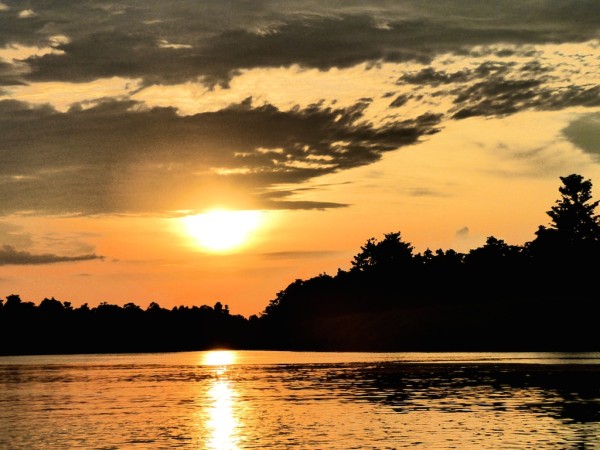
(308,126)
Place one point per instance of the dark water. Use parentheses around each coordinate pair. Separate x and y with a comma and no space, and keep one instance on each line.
(280,400)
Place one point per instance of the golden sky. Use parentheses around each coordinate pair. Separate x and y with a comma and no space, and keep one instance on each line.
(311,126)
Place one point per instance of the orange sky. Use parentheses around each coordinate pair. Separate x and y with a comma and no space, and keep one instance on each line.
(447,121)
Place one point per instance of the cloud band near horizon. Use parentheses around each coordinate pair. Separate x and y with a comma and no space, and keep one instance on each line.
(11,256)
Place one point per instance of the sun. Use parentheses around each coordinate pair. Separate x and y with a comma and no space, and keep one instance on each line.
(221,230)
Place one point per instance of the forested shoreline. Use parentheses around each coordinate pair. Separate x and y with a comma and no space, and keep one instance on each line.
(541,296)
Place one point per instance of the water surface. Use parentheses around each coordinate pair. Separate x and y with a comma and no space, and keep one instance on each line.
(279,400)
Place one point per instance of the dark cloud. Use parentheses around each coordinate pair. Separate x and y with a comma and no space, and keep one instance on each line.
(496,96)
(171,42)
(400,100)
(585,133)
(499,88)
(10,256)
(278,200)
(14,236)
(9,75)
(430,76)
(535,67)
(499,96)
(117,157)
(121,157)
(570,96)
(434,77)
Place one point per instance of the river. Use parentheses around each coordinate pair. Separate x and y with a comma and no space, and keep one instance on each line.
(302,400)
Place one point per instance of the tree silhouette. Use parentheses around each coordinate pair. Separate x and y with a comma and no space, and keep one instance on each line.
(573,217)
(574,214)
(574,232)
(390,253)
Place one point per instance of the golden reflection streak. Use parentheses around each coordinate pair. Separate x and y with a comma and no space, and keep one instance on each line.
(223,422)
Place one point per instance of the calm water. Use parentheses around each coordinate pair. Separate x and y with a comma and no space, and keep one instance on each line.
(280,400)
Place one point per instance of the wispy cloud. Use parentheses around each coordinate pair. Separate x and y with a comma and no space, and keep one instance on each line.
(301,254)
(11,256)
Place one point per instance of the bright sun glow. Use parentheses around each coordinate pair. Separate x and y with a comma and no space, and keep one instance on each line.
(221,230)
(218,358)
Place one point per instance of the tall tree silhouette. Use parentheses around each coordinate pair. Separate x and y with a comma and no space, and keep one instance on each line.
(563,256)
(574,216)
(574,232)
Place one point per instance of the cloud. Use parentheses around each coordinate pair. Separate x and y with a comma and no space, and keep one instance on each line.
(434,77)
(465,240)
(455,60)
(24,14)
(213,41)
(10,256)
(500,96)
(118,157)
(9,76)
(497,96)
(584,132)
(463,233)
(426,192)
(301,254)
(499,88)
(15,235)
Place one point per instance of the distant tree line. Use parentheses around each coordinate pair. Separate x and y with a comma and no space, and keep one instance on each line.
(542,296)
(56,327)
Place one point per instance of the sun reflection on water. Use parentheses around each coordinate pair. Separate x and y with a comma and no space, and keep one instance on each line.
(222,423)
(219,358)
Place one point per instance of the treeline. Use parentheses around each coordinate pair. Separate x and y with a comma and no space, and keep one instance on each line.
(56,327)
(542,295)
